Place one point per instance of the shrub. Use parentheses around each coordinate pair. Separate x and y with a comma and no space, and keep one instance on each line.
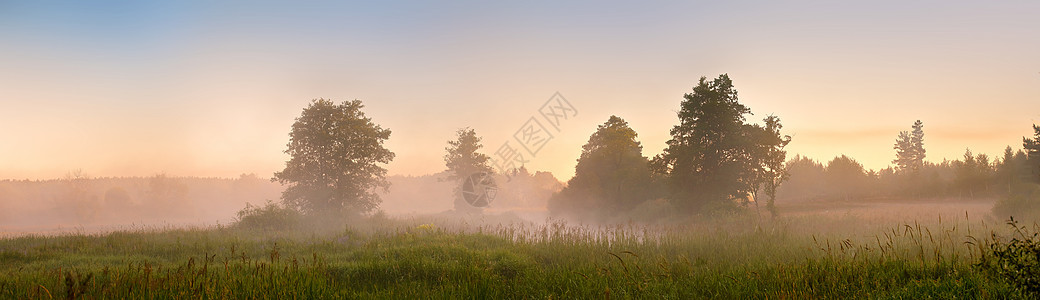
(271,216)
(1016,261)
(1024,202)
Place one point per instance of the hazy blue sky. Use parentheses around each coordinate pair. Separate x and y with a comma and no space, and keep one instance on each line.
(128,88)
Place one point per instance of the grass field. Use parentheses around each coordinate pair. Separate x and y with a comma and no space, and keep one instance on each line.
(799,257)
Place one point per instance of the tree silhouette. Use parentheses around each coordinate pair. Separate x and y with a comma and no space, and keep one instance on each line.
(1012,169)
(807,179)
(845,177)
(335,161)
(1032,148)
(463,160)
(714,158)
(909,148)
(611,176)
(973,174)
(771,171)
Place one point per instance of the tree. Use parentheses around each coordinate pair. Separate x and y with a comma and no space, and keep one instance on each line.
(1032,148)
(612,175)
(771,169)
(909,148)
(807,179)
(1007,169)
(1012,171)
(463,160)
(973,174)
(713,158)
(525,190)
(336,157)
(845,176)
(966,173)
(118,198)
(1024,195)
(78,199)
(167,195)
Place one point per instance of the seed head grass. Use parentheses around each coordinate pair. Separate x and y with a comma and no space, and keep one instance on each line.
(729,258)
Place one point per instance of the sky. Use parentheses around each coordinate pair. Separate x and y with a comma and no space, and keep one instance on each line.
(211,88)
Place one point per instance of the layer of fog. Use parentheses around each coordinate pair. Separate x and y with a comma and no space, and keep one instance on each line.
(82,204)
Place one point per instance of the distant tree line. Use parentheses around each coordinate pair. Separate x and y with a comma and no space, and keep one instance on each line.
(79,199)
(1013,177)
(715,162)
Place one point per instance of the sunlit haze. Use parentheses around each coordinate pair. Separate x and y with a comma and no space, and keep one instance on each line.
(198,88)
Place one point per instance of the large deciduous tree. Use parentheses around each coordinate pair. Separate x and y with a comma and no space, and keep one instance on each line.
(463,160)
(714,158)
(336,160)
(612,175)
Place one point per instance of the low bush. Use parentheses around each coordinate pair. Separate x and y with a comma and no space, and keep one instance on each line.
(1017,260)
(271,216)
(1023,203)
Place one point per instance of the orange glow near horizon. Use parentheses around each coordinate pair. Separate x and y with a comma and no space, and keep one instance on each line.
(212,91)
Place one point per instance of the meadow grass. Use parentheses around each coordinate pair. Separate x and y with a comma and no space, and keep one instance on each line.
(728,258)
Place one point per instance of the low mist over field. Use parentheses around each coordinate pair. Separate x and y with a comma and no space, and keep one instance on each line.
(519,150)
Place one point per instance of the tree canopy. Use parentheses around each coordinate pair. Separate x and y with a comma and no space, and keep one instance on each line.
(611,176)
(845,176)
(336,157)
(770,161)
(463,160)
(714,158)
(909,148)
(1032,148)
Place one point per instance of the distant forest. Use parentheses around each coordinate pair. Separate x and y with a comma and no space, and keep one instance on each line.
(78,199)
(716,162)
